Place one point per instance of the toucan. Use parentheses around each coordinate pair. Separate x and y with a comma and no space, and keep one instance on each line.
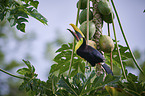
(90,54)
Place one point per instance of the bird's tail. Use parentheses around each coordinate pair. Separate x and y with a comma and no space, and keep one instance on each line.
(107,69)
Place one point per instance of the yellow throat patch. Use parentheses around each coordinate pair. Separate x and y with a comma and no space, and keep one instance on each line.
(79,43)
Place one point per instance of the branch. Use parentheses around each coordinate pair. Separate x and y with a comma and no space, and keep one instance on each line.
(71,61)
(11,74)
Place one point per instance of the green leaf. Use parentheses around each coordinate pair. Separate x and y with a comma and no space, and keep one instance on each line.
(63,61)
(17,12)
(12,22)
(31,67)
(132,77)
(66,85)
(144,11)
(78,81)
(62,93)
(26,1)
(2,15)
(78,66)
(132,85)
(34,3)
(23,71)
(27,63)
(21,27)
(64,47)
(25,85)
(34,13)
(116,91)
(98,81)
(20,20)
(87,83)
(124,52)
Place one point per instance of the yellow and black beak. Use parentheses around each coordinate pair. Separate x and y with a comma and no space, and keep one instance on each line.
(77,34)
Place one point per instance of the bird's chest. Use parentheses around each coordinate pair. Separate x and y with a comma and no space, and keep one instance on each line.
(87,55)
(91,55)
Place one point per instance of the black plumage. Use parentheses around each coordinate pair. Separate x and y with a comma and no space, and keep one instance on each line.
(90,54)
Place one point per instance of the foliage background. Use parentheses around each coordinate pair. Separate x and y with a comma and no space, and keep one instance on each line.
(42,47)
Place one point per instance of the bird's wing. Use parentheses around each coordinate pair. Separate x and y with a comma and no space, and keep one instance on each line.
(98,55)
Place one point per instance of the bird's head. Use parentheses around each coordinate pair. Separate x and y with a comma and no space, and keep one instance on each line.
(78,36)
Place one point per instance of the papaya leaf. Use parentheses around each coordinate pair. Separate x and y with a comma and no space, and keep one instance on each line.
(116,91)
(23,71)
(64,83)
(63,58)
(98,81)
(132,77)
(2,15)
(27,63)
(34,3)
(20,20)
(109,79)
(124,52)
(21,27)
(34,13)
(79,79)
(87,83)
(62,93)
(17,13)
(132,85)
(12,22)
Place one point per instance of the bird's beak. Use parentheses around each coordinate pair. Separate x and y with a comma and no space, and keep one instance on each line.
(78,34)
(74,34)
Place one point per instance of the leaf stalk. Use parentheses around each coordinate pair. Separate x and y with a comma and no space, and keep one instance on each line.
(135,61)
(11,74)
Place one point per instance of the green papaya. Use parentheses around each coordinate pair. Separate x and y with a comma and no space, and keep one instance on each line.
(83,16)
(83,4)
(108,18)
(92,28)
(104,7)
(106,43)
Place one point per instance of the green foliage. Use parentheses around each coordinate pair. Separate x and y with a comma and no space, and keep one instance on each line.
(63,61)
(17,13)
(33,85)
(133,86)
(27,71)
(125,55)
(82,85)
(116,91)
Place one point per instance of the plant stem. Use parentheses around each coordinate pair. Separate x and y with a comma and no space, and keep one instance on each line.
(108,29)
(111,51)
(71,61)
(126,39)
(88,5)
(71,58)
(11,74)
(78,13)
(122,67)
(111,61)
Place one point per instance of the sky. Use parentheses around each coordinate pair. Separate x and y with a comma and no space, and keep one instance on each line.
(60,13)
